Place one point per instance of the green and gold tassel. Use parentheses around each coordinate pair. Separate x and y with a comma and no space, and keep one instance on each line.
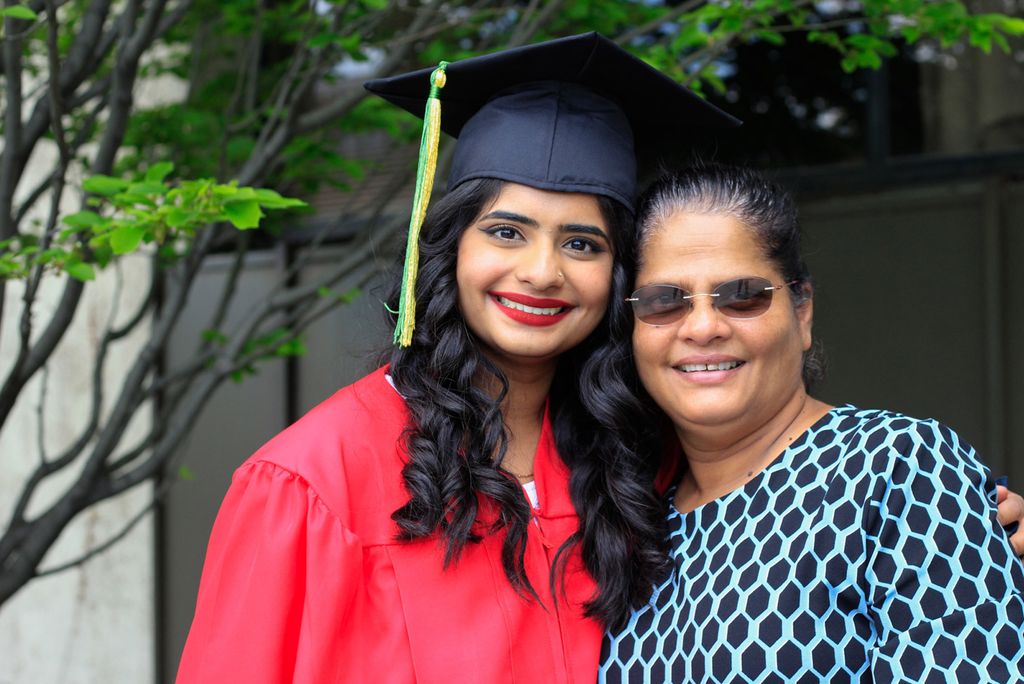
(424,185)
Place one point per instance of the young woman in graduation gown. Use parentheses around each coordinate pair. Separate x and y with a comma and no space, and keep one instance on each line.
(469,512)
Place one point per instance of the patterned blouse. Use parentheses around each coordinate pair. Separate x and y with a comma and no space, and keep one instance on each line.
(867,551)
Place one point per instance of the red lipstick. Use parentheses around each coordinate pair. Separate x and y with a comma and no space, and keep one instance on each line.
(530,317)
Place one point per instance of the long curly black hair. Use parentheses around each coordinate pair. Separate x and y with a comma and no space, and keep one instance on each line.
(457,433)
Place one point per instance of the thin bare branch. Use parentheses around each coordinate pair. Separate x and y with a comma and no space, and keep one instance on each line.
(71,453)
(533,21)
(97,550)
(289,91)
(56,97)
(379,201)
(249,79)
(176,427)
(10,171)
(694,63)
(357,254)
(90,47)
(820,26)
(30,360)
(185,374)
(44,383)
(302,323)
(667,17)
(146,31)
(144,307)
(133,453)
(132,392)
(124,73)
(230,287)
(264,154)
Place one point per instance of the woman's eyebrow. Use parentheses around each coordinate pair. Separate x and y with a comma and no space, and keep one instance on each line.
(584,228)
(510,216)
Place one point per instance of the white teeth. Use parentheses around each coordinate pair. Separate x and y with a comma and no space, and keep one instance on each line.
(694,367)
(529,309)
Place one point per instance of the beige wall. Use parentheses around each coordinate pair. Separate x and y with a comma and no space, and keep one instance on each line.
(94,623)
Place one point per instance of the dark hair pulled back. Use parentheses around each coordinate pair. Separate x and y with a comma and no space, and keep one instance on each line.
(457,433)
(765,207)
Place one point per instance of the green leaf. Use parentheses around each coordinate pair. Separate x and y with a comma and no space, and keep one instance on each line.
(177,217)
(146,188)
(53,254)
(1012,25)
(773,37)
(102,255)
(82,219)
(215,337)
(830,38)
(269,199)
(321,40)
(126,239)
(799,18)
(104,185)
(294,347)
(80,271)
(981,40)
(911,34)
(1001,41)
(157,172)
(19,12)
(690,36)
(239,375)
(243,214)
(343,297)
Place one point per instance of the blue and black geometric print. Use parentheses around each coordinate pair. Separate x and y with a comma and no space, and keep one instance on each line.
(868,551)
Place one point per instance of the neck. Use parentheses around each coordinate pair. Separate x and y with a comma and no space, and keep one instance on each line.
(523,414)
(719,462)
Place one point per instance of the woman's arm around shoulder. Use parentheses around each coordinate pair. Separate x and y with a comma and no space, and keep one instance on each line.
(944,583)
(278,583)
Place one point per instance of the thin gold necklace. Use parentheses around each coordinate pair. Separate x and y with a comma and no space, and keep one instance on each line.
(518,476)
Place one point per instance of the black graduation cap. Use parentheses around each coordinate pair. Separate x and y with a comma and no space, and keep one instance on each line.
(571,114)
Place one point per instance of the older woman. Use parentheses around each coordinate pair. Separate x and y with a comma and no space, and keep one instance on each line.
(810,542)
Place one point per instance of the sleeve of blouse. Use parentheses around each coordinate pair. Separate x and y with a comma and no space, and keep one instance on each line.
(277,584)
(944,584)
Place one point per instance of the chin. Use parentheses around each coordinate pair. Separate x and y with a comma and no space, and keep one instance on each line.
(712,411)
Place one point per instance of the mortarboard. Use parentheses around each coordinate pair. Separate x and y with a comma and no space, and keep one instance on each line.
(572,115)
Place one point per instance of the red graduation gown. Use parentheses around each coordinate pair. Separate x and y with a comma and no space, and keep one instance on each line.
(304,581)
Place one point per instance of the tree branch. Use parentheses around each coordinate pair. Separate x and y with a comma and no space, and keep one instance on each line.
(230,288)
(264,154)
(528,29)
(657,22)
(10,172)
(97,550)
(88,49)
(47,468)
(31,360)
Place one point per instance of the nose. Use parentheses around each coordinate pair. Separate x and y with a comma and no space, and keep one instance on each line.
(704,324)
(540,267)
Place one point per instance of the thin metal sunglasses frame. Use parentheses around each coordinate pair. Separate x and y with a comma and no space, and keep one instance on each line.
(688,296)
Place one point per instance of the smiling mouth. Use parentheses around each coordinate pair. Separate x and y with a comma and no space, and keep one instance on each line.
(535,310)
(699,367)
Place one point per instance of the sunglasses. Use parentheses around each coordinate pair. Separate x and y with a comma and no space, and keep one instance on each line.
(740,298)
